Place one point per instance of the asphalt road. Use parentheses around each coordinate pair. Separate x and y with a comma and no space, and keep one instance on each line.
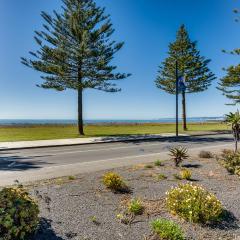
(37,163)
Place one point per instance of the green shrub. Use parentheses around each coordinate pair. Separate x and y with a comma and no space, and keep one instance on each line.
(71,178)
(231,161)
(178,154)
(186,174)
(193,203)
(205,154)
(161,176)
(136,207)
(114,181)
(18,214)
(158,163)
(167,230)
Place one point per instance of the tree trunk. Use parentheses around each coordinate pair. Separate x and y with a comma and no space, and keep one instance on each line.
(236,146)
(235,134)
(80,111)
(184,118)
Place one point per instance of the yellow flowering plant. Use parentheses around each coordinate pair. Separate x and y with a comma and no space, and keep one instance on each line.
(114,182)
(18,214)
(193,203)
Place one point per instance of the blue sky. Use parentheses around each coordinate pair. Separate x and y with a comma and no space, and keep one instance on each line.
(147,27)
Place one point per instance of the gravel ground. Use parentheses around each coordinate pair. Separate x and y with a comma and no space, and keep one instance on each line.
(82,209)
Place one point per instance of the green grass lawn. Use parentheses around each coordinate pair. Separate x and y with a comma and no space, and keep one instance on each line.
(40,132)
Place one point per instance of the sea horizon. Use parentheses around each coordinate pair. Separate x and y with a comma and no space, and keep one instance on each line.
(109,121)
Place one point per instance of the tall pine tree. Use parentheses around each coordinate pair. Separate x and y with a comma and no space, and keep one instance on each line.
(76,51)
(191,64)
(230,83)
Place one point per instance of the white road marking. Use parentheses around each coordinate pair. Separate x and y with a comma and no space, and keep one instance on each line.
(100,149)
(104,149)
(50,150)
(94,150)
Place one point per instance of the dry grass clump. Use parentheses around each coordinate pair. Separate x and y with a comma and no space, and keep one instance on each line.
(205,154)
(186,174)
(161,176)
(135,206)
(150,207)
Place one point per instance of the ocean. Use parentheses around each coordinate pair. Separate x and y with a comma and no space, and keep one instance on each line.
(104,121)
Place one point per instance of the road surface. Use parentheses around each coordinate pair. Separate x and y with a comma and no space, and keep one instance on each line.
(41,163)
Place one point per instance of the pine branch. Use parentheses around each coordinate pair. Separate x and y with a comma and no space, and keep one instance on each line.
(81,33)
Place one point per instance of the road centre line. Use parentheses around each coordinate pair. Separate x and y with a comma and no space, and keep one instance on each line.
(99,149)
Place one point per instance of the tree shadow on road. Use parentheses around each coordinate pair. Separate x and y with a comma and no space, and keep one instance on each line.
(179,140)
(20,163)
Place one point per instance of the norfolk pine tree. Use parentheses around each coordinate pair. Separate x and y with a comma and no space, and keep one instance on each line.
(230,83)
(75,51)
(191,64)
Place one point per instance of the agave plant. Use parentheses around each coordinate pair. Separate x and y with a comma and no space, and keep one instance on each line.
(233,119)
(178,154)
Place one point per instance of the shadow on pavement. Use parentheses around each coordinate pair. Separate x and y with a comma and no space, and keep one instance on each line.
(228,221)
(19,163)
(45,231)
(190,165)
(186,139)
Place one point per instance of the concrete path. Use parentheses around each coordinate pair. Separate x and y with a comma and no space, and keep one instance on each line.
(28,165)
(79,141)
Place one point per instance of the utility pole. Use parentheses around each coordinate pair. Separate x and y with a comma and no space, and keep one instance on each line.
(177,99)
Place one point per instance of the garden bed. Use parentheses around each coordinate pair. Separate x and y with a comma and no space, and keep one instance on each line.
(83,209)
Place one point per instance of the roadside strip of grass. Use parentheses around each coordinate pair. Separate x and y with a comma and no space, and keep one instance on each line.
(46,132)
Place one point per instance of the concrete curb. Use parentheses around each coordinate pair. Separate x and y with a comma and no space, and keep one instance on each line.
(95,141)
(101,140)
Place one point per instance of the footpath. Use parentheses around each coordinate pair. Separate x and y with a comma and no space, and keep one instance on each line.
(80,141)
